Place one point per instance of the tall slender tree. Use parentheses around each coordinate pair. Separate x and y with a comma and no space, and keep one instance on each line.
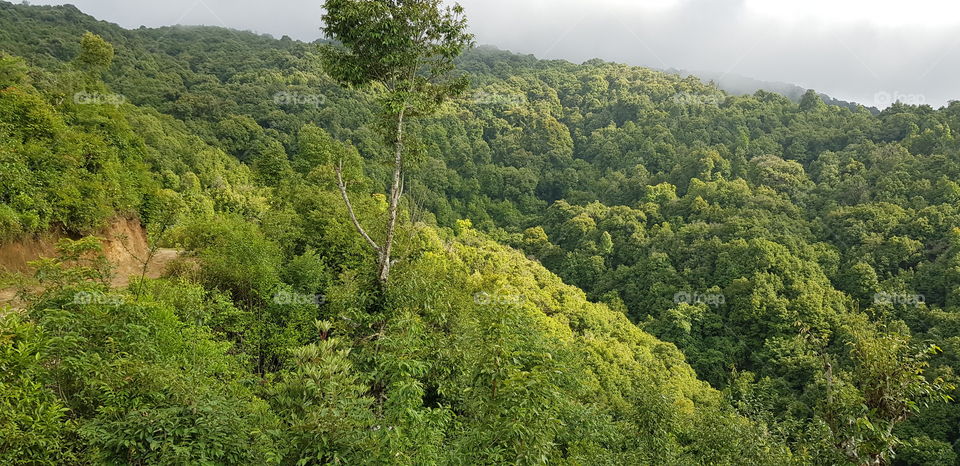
(405,50)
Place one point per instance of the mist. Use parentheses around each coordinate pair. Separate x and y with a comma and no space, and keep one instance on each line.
(873,53)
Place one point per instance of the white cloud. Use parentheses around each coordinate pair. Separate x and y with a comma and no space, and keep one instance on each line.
(883,13)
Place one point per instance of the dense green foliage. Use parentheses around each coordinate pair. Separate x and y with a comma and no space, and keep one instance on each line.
(237,360)
(801,259)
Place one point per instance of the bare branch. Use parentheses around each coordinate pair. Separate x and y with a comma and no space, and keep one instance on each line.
(353,216)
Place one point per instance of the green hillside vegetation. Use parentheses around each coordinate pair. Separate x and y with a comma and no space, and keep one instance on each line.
(762,281)
(476,355)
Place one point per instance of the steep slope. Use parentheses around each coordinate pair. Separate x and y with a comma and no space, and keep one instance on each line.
(272,344)
(772,241)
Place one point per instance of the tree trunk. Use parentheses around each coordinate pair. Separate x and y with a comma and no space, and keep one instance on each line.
(395,193)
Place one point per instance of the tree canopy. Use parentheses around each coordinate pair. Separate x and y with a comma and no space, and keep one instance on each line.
(594,263)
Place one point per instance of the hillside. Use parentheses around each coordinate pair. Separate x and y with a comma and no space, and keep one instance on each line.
(226,360)
(596,263)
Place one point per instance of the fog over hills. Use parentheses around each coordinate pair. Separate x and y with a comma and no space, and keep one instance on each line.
(870,52)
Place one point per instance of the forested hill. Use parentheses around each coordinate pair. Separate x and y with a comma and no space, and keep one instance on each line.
(741,85)
(804,258)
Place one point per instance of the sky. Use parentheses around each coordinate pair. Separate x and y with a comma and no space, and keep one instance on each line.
(868,51)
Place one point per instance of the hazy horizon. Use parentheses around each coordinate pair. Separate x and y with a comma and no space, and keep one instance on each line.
(872,53)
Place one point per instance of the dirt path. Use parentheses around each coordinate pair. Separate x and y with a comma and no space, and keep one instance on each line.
(130,269)
(124,245)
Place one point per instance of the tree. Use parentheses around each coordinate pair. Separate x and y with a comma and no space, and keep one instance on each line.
(326,415)
(811,101)
(404,50)
(96,54)
(885,387)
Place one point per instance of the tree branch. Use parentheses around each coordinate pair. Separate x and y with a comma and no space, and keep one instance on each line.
(346,200)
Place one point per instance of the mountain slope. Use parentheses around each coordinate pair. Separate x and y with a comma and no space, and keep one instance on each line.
(475,355)
(776,243)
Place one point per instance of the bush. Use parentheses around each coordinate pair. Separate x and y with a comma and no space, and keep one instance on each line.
(234,256)
(9,223)
(33,427)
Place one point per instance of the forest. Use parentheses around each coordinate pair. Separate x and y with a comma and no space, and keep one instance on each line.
(590,263)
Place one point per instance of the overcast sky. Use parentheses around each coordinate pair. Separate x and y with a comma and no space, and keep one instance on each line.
(869,51)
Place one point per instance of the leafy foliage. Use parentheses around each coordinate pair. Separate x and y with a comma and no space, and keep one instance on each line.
(800,259)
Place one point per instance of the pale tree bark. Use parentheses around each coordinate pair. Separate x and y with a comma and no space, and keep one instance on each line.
(395,193)
(353,216)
